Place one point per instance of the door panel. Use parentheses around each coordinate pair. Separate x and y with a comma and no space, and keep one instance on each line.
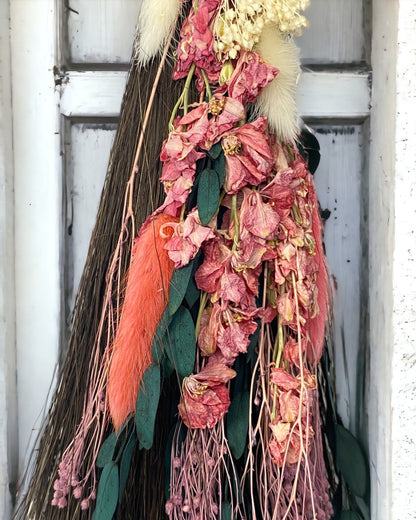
(87,154)
(102,31)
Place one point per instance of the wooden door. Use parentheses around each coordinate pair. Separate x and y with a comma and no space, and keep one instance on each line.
(91,52)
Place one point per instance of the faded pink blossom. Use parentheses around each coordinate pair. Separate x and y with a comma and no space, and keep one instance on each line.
(234,337)
(256,216)
(196,43)
(187,239)
(205,396)
(250,75)
(208,275)
(280,197)
(177,194)
(209,121)
(248,155)
(286,308)
(291,351)
(287,450)
(283,380)
(232,288)
(211,324)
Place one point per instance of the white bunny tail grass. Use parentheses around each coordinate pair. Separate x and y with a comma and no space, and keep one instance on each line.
(277,101)
(156,19)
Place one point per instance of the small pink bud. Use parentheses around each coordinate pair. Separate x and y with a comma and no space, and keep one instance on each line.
(176,462)
(177,500)
(62,502)
(169,507)
(77,492)
(85,504)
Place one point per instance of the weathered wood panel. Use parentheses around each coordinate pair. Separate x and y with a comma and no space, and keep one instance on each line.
(101,31)
(338,182)
(87,158)
(320,95)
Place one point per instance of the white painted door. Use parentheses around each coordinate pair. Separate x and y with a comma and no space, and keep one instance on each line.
(93,47)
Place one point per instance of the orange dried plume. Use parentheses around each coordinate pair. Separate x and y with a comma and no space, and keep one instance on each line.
(146,297)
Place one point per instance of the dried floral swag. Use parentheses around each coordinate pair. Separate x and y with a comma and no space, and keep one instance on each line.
(226,292)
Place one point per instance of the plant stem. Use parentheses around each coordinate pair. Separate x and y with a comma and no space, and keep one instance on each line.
(234,217)
(186,88)
(201,308)
(207,87)
(183,98)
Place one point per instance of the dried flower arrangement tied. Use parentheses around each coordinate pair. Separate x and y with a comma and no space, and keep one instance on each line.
(227,290)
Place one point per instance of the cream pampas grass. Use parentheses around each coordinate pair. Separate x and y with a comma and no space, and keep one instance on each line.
(156,19)
(277,101)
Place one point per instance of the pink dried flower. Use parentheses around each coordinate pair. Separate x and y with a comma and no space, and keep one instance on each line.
(85,504)
(205,396)
(248,156)
(250,76)
(209,121)
(187,239)
(257,217)
(196,43)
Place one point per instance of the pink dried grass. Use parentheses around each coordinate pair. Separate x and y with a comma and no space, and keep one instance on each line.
(201,469)
(294,491)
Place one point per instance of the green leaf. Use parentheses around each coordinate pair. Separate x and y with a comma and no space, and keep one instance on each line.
(363,507)
(107,495)
(215,150)
(219,167)
(226,511)
(237,423)
(192,293)
(125,464)
(208,195)
(182,346)
(105,455)
(146,405)
(159,339)
(351,461)
(178,286)
(349,515)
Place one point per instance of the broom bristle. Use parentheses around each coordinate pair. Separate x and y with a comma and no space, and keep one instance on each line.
(145,300)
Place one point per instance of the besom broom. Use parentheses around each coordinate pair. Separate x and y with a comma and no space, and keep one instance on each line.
(199,344)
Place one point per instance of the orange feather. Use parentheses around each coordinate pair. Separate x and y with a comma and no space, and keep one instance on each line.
(146,297)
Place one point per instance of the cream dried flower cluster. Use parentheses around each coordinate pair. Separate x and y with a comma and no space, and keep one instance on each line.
(239,23)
